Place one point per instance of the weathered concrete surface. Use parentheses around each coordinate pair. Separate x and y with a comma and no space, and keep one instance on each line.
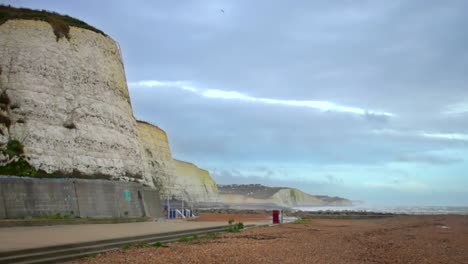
(69,101)
(151,203)
(23,197)
(116,199)
(27,197)
(194,184)
(157,158)
(2,205)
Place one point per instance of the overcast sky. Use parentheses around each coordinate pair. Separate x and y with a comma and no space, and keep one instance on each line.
(362,99)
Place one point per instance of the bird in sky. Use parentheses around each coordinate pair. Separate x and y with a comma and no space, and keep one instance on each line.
(222,11)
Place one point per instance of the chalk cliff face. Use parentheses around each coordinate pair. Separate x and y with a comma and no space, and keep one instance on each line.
(283,197)
(244,201)
(294,197)
(193,184)
(68,101)
(178,179)
(263,196)
(158,164)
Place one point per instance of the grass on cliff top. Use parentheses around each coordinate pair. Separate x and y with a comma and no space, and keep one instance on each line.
(60,23)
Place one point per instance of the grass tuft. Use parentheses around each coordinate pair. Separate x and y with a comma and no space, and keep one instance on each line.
(212,235)
(186,239)
(159,244)
(59,23)
(303,221)
(235,227)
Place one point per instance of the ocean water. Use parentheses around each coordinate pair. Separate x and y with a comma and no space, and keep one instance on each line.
(460,210)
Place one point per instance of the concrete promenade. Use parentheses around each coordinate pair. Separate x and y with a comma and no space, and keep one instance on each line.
(20,238)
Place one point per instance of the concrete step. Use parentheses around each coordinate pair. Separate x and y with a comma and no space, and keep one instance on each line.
(72,251)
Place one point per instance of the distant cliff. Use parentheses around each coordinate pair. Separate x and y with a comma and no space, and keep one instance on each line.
(256,194)
(291,197)
(193,184)
(334,200)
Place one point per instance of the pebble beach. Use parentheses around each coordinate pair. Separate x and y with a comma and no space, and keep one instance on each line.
(396,239)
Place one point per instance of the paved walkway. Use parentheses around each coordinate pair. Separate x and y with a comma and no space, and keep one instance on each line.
(18,238)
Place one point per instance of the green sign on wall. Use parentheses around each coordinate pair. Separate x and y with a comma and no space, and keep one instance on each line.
(127,195)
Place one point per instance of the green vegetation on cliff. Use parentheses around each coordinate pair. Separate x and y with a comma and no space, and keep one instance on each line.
(16,164)
(60,23)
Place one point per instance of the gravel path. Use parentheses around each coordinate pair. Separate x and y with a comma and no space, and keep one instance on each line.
(403,239)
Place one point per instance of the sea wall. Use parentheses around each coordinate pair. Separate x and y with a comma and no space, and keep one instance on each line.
(193,184)
(67,101)
(28,197)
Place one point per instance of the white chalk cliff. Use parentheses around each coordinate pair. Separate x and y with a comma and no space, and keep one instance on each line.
(256,195)
(194,184)
(69,101)
(69,105)
(158,164)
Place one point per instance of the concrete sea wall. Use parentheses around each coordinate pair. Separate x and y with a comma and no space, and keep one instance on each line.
(23,197)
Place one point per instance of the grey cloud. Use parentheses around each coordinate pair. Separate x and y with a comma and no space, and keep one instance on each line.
(208,129)
(377,119)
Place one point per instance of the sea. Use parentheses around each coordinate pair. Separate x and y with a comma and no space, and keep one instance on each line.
(417,210)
